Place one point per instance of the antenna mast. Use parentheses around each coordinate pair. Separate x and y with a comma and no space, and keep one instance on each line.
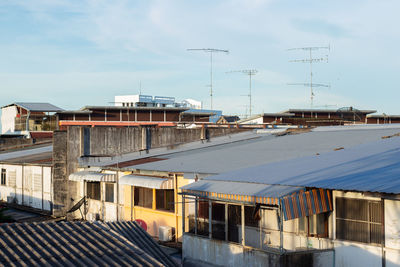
(311,60)
(250,73)
(211,51)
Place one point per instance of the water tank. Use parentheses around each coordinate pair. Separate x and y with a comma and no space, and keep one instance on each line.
(165,233)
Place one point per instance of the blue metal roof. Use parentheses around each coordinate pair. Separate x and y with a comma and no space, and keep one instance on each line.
(371,167)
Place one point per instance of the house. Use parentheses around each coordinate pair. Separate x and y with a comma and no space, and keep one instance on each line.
(169,168)
(27,178)
(79,244)
(340,208)
(382,119)
(25,119)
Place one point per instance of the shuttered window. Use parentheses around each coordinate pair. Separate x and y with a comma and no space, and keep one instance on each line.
(143,197)
(93,190)
(3,177)
(109,193)
(359,220)
(165,199)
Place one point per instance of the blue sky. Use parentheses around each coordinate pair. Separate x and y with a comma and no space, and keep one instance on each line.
(76,53)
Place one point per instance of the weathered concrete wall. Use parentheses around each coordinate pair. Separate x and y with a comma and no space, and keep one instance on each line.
(60,182)
(196,248)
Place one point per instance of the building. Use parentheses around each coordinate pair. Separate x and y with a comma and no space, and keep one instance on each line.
(171,168)
(26,119)
(340,208)
(123,116)
(382,119)
(27,178)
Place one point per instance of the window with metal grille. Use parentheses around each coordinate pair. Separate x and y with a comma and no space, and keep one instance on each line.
(165,199)
(93,190)
(3,177)
(109,193)
(359,220)
(143,197)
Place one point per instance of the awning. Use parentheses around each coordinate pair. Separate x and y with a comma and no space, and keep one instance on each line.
(306,203)
(239,191)
(147,181)
(92,176)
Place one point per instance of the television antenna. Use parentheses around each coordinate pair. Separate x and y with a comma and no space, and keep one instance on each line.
(251,72)
(211,51)
(311,60)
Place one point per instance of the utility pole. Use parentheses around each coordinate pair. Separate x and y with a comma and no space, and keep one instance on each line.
(251,72)
(311,60)
(211,51)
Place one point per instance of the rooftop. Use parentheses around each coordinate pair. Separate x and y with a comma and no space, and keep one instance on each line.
(248,149)
(38,107)
(370,167)
(79,244)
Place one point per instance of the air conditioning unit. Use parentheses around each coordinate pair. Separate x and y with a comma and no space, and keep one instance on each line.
(165,233)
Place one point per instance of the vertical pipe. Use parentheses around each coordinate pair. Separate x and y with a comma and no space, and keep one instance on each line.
(42,189)
(154,199)
(176,199)
(226,222)
(183,215)
(131,203)
(243,227)
(195,215)
(118,206)
(209,219)
(211,81)
(260,223)
(280,228)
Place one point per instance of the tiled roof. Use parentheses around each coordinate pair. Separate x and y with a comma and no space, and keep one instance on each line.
(78,244)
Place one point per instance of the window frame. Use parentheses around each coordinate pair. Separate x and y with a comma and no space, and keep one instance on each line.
(141,192)
(368,222)
(165,201)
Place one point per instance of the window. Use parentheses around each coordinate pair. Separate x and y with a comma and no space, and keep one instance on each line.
(315,225)
(93,190)
(3,176)
(144,197)
(359,220)
(109,193)
(165,199)
(251,216)
(218,221)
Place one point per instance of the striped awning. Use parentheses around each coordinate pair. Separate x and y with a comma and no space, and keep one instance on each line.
(91,176)
(306,203)
(147,181)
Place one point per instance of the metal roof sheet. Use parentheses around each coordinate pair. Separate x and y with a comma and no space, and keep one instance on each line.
(31,155)
(371,167)
(147,181)
(91,176)
(41,107)
(267,148)
(242,188)
(77,244)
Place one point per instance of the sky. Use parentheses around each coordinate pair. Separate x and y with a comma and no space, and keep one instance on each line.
(77,53)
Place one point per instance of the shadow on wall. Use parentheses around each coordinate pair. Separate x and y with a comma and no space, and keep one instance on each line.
(30,202)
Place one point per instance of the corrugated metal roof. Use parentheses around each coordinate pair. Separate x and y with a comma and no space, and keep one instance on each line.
(75,244)
(91,176)
(147,181)
(40,107)
(266,149)
(134,233)
(28,155)
(242,188)
(372,167)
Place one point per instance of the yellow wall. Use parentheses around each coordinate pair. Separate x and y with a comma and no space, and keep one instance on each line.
(155,218)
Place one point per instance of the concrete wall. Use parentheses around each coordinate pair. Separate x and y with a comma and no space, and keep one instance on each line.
(222,253)
(28,185)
